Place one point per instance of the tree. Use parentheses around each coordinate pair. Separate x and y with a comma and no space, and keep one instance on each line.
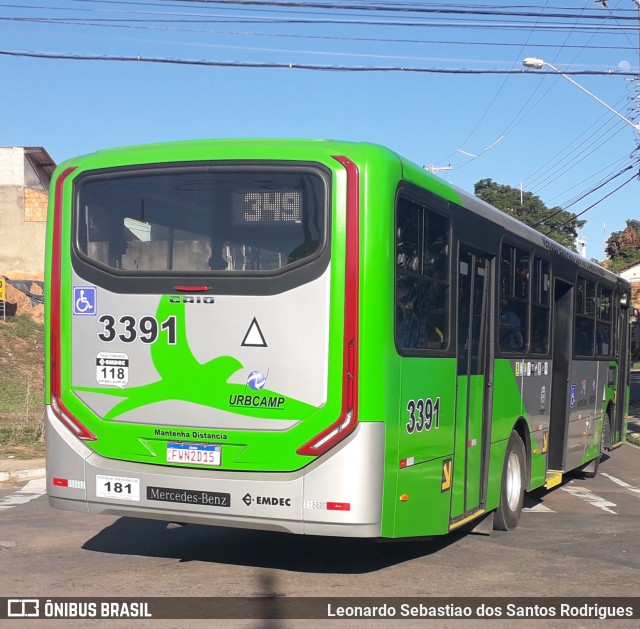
(623,247)
(556,223)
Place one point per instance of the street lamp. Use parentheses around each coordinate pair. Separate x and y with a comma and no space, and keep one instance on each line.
(537,64)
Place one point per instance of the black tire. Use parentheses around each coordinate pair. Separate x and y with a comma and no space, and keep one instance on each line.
(512,486)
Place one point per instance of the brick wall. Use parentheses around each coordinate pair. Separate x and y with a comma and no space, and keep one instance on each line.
(35,205)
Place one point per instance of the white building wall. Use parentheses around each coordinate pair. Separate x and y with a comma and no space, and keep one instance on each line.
(632,274)
(11,166)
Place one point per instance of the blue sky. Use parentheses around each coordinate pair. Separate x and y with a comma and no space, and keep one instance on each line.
(531,127)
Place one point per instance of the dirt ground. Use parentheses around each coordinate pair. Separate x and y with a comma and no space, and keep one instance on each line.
(19,303)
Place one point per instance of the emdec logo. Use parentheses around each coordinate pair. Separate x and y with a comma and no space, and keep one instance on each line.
(270,501)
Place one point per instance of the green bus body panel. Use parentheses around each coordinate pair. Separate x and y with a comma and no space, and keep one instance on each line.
(467,460)
(182,377)
(433,460)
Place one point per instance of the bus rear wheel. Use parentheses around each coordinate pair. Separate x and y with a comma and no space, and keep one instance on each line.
(513,484)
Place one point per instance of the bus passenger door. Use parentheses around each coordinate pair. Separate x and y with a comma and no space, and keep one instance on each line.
(561,353)
(617,421)
(474,373)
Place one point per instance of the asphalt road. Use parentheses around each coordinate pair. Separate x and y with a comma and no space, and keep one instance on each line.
(579,539)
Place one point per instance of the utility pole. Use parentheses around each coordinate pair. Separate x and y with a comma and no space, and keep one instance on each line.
(636,95)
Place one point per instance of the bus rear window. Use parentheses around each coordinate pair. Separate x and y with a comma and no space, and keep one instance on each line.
(199,219)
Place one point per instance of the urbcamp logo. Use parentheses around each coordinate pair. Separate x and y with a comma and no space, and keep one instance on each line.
(256,380)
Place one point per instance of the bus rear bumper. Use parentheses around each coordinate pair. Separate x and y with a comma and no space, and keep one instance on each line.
(339,494)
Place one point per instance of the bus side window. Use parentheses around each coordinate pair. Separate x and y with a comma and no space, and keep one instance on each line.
(603,324)
(540,306)
(422,277)
(585,317)
(513,318)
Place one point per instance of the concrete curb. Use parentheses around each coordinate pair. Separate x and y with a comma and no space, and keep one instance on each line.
(39,472)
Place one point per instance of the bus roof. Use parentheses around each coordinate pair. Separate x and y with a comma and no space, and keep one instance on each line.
(194,150)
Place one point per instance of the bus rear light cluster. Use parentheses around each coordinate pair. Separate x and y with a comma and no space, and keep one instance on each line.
(55,389)
(348,419)
(329,437)
(80,431)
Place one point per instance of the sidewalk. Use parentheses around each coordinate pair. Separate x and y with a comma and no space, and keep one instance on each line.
(633,430)
(21,469)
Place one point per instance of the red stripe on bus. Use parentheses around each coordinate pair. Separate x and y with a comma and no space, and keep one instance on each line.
(348,419)
(55,368)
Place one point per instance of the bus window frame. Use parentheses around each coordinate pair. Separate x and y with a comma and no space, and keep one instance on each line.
(600,287)
(261,282)
(583,315)
(439,206)
(516,246)
(537,254)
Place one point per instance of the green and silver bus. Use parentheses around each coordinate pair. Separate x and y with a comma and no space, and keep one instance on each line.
(316,337)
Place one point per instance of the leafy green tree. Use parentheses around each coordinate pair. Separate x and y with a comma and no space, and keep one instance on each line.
(556,223)
(623,247)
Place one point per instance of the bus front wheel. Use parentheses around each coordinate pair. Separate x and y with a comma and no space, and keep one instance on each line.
(513,484)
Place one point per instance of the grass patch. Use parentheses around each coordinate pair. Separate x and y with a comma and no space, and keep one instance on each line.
(21,441)
(21,399)
(21,388)
(22,327)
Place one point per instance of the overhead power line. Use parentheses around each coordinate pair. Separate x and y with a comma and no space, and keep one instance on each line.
(574,216)
(448,9)
(291,65)
(82,22)
(606,196)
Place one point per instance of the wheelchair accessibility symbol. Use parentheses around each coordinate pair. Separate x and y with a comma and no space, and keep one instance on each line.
(84,300)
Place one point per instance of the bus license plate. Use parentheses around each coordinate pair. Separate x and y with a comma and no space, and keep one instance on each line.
(193,454)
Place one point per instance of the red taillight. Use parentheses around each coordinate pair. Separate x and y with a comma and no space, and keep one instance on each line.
(351,372)
(57,406)
(348,419)
(192,289)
